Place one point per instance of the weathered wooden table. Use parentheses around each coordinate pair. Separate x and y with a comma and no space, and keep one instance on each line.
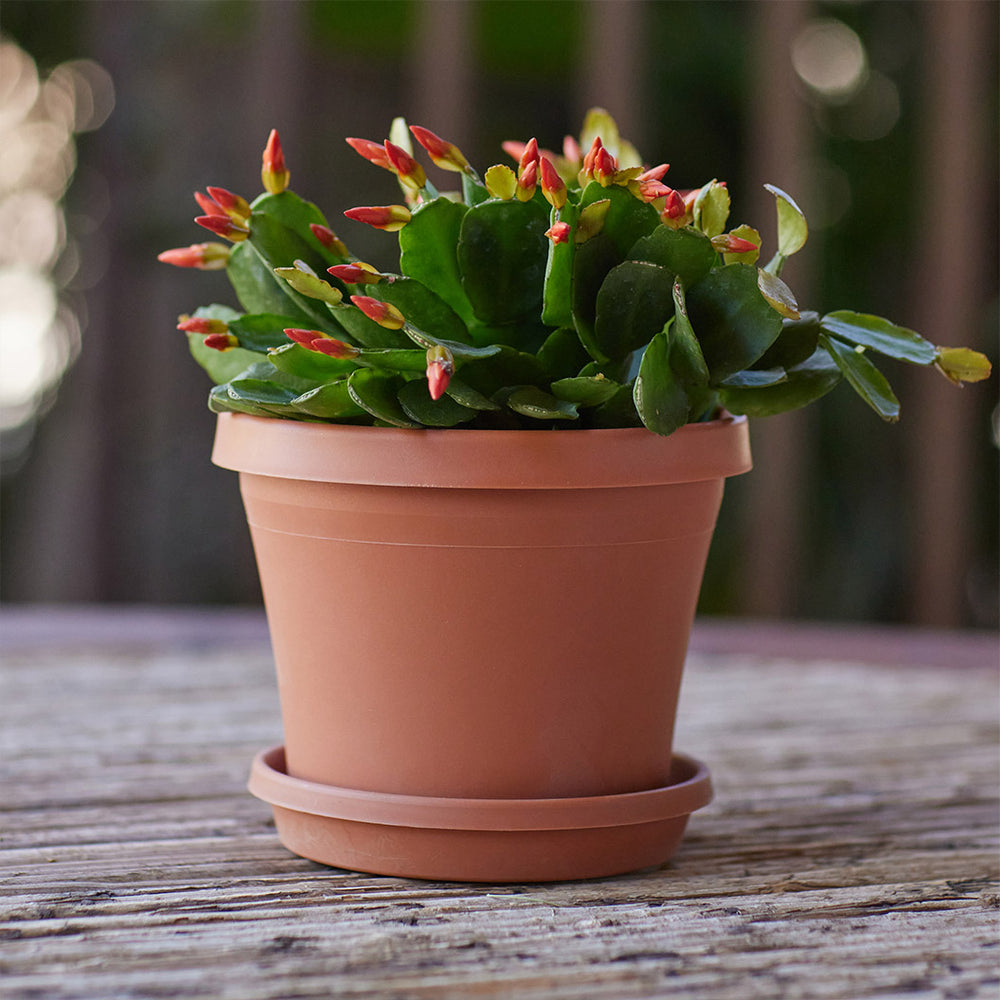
(851,850)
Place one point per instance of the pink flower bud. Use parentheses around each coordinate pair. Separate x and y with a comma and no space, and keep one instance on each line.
(553,186)
(353,274)
(571,150)
(440,366)
(387,217)
(273,171)
(383,313)
(405,166)
(221,341)
(443,154)
(527,181)
(201,324)
(208,206)
(328,238)
(303,337)
(204,256)
(558,232)
(529,155)
(728,243)
(223,226)
(334,348)
(373,152)
(237,208)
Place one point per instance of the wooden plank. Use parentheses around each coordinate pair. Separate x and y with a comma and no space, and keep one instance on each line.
(851,850)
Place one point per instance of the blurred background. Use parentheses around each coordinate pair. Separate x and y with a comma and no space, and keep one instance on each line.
(878,117)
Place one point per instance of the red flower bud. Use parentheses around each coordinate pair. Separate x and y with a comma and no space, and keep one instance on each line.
(237,208)
(373,152)
(387,217)
(591,158)
(383,313)
(328,238)
(513,148)
(553,186)
(654,173)
(303,337)
(334,348)
(605,166)
(558,232)
(443,154)
(529,155)
(733,244)
(221,341)
(273,171)
(440,366)
(571,150)
(675,211)
(651,189)
(405,166)
(201,324)
(223,226)
(208,206)
(204,256)
(354,274)
(527,180)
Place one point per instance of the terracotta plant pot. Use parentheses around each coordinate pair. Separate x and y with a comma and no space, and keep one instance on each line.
(479,639)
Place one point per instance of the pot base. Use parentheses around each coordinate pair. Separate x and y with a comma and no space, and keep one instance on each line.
(480,840)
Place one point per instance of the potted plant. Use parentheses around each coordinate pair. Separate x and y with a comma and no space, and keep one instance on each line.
(479,635)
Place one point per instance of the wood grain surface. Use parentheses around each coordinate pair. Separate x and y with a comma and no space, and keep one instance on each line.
(851,851)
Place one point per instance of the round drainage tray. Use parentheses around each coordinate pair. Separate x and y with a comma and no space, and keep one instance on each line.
(480,840)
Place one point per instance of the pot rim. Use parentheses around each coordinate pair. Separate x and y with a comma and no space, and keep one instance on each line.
(481,459)
(690,789)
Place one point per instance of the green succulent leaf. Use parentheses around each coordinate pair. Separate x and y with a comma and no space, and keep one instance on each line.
(633,304)
(502,253)
(557,292)
(262,331)
(627,220)
(427,245)
(378,393)
(796,342)
(586,391)
(591,265)
(686,253)
(673,377)
(220,401)
(805,383)
(260,290)
(880,335)
(296,360)
(422,307)
(733,322)
(777,294)
(754,378)
(562,355)
(530,401)
(507,368)
(416,401)
(393,359)
(463,393)
(264,393)
(792,227)
(426,341)
(711,209)
(618,411)
(297,215)
(660,397)
(221,366)
(361,330)
(866,380)
(331,401)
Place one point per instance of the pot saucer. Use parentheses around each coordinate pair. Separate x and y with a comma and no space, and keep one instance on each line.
(480,840)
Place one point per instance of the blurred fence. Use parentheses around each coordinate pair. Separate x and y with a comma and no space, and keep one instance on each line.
(114,499)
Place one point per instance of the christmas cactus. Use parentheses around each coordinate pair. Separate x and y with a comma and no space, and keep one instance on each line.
(571,290)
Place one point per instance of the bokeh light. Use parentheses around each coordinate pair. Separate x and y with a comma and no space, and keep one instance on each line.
(39,332)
